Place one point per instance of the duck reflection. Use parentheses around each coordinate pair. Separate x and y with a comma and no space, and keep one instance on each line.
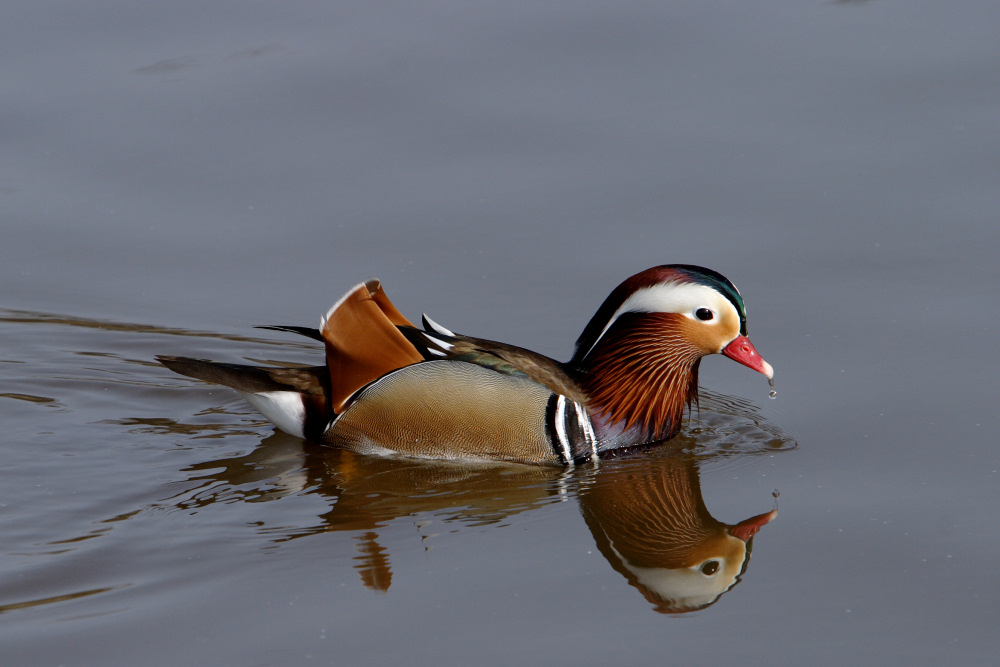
(365,493)
(650,521)
(646,511)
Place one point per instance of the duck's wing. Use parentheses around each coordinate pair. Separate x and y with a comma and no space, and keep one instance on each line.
(363,341)
(436,342)
(366,338)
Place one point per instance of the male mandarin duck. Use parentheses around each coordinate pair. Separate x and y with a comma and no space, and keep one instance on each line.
(389,387)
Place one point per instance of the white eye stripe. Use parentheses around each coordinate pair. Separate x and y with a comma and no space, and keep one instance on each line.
(672,297)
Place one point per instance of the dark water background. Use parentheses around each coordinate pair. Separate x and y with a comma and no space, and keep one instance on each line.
(173,173)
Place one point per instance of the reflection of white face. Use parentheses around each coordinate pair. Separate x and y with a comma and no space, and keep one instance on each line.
(694,586)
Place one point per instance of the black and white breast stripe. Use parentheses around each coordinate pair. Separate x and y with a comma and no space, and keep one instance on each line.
(570,432)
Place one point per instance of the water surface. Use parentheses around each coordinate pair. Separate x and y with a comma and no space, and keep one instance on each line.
(172,175)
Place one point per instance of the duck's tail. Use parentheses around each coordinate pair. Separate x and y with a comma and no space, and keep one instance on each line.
(297,400)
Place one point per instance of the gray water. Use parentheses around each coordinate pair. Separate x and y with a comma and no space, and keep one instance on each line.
(172,174)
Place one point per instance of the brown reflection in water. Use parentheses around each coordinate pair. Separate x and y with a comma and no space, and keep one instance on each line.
(160,426)
(27,604)
(366,493)
(650,521)
(28,397)
(646,511)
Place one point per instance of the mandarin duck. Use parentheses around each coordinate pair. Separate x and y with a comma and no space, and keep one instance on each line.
(389,387)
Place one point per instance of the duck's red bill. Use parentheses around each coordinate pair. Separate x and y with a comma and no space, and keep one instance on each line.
(743,351)
(747,529)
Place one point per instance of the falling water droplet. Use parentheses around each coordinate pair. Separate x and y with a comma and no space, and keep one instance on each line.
(772,393)
(776,494)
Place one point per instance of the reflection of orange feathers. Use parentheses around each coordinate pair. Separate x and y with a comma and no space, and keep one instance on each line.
(374,563)
(362,341)
(651,523)
(655,514)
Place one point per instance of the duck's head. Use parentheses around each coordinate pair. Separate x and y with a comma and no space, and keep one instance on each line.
(640,352)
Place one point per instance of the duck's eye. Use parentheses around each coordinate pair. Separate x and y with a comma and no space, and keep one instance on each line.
(704,314)
(710,568)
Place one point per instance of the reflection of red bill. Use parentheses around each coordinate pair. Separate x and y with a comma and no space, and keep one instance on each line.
(747,529)
(743,351)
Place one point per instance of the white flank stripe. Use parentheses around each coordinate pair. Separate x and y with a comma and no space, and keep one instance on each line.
(284,408)
(560,424)
(588,429)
